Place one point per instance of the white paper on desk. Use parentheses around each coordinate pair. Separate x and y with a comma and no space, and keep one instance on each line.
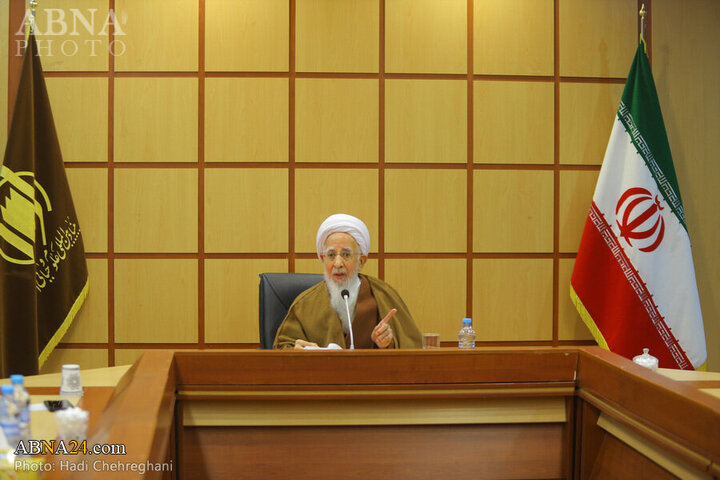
(331,346)
(38,407)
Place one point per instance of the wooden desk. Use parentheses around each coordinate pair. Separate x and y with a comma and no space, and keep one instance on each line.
(633,420)
(98,385)
(489,413)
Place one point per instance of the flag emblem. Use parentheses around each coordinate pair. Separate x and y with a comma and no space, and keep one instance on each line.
(18,210)
(640,211)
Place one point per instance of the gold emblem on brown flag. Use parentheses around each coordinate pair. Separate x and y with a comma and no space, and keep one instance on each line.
(43,273)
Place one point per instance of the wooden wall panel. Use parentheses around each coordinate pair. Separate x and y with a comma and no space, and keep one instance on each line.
(156,120)
(127,356)
(686,46)
(80,112)
(434,291)
(73,38)
(155,210)
(159,36)
(512,299)
(251,111)
(89,188)
(247,35)
(337,36)
(316,198)
(425,36)
(425,210)
(87,358)
(315,265)
(513,41)
(336,120)
(513,122)
(425,121)
(576,192)
(513,211)
(587,113)
(597,39)
(246,210)
(156,300)
(231,298)
(91,323)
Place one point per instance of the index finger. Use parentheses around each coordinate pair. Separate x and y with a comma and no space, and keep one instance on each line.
(390,314)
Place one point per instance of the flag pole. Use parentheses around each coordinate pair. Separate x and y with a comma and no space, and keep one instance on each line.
(642,14)
(33,6)
(30,27)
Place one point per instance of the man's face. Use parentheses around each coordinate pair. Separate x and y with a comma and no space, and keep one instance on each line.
(342,257)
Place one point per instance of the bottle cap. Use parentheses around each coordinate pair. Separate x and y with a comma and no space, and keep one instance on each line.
(16,379)
(467,320)
(6,388)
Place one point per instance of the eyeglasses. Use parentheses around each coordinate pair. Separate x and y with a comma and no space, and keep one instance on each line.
(345,256)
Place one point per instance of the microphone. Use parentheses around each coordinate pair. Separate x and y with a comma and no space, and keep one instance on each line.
(345,294)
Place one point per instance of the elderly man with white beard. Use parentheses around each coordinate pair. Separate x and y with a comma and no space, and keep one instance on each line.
(318,316)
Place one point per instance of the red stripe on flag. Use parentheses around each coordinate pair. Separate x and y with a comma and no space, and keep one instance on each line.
(618,300)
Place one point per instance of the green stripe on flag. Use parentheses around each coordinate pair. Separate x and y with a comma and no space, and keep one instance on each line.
(640,114)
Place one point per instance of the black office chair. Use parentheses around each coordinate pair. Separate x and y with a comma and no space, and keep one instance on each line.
(277,292)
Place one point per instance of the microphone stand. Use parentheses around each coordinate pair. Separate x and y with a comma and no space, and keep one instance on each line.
(345,294)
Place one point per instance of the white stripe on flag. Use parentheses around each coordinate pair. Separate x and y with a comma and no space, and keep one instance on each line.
(668,270)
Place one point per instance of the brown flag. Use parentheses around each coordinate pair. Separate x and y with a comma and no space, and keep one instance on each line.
(43,273)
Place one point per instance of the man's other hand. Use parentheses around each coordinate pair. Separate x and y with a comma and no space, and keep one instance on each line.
(301,344)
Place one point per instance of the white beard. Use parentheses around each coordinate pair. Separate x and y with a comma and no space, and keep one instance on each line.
(352,285)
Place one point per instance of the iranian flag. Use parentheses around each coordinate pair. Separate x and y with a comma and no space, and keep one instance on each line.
(634,282)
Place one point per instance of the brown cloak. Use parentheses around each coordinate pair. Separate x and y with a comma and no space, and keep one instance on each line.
(311,317)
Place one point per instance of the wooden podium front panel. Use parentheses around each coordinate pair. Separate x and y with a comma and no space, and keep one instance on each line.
(627,407)
(616,460)
(601,455)
(391,452)
(501,414)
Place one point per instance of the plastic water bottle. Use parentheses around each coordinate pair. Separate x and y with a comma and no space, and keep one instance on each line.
(466,336)
(22,400)
(9,416)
